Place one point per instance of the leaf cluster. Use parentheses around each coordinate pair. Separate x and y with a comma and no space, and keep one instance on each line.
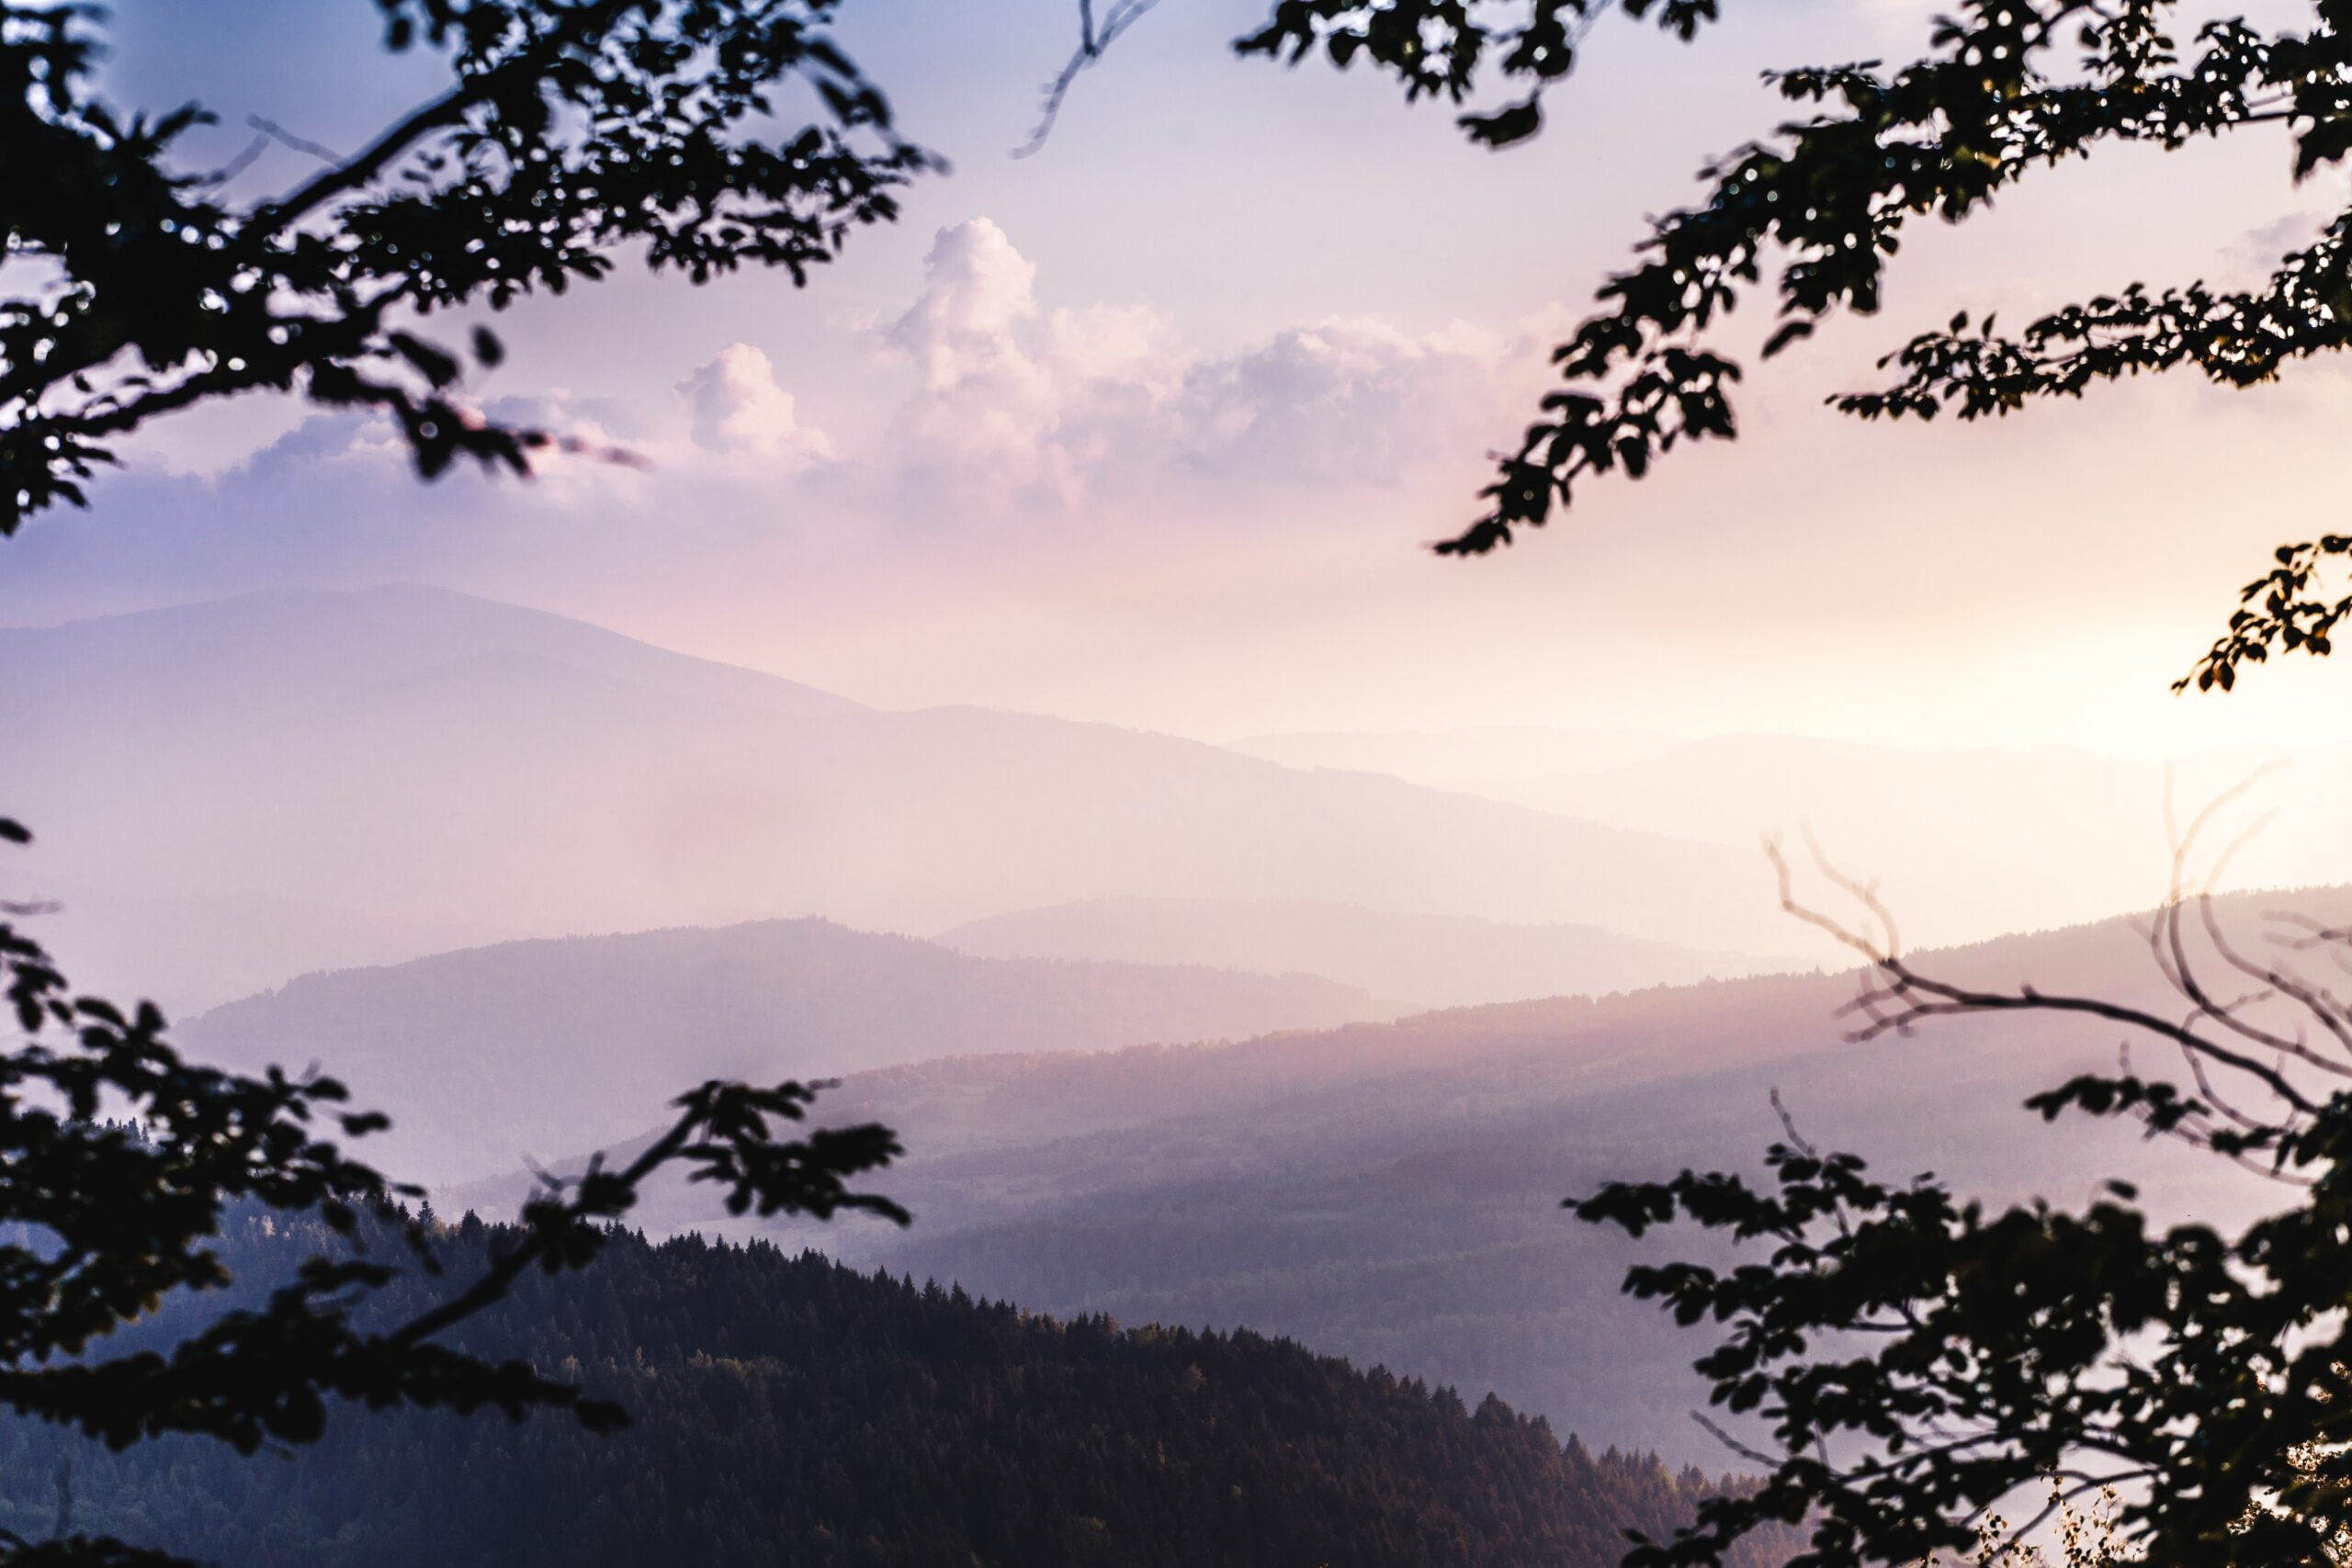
(1916,1358)
(2280,609)
(1441,48)
(121,1160)
(1816,211)
(570,130)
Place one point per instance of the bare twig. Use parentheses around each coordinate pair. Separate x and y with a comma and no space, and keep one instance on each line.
(1122,15)
(274,131)
(1899,997)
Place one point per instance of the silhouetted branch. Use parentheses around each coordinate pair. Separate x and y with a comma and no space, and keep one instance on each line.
(2215,1034)
(1122,15)
(285,138)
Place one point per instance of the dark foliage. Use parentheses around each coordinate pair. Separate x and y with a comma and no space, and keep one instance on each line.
(570,129)
(784,1409)
(1918,1359)
(121,1160)
(2005,87)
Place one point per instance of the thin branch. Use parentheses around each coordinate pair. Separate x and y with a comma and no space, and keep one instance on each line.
(1122,15)
(1906,986)
(276,132)
(1753,1456)
(494,1282)
(574,23)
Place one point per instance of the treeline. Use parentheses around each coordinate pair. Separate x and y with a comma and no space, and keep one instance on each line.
(786,1410)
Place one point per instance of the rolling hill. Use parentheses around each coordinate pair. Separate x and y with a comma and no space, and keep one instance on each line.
(1460,758)
(1966,842)
(537,1048)
(1434,960)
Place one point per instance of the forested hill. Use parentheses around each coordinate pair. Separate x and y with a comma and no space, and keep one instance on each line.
(787,1410)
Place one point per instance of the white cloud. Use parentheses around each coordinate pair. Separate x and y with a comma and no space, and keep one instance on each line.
(1349,401)
(1012,400)
(977,294)
(1016,400)
(734,406)
(1090,412)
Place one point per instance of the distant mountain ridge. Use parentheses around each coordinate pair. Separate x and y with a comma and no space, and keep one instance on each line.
(298,646)
(1964,841)
(1435,960)
(542,1047)
(436,762)
(1460,758)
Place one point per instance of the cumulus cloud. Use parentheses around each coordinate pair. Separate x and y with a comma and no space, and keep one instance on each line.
(735,405)
(995,399)
(1016,403)
(1346,400)
(1013,400)
(977,294)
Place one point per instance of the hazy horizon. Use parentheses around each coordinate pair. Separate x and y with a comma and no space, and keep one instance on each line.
(1102,1002)
(1512,750)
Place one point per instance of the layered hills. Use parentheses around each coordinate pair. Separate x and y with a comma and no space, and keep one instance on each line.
(540,1048)
(1966,842)
(1390,1191)
(231,794)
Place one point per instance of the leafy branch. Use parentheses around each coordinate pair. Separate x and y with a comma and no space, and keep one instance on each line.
(122,1160)
(572,129)
(1917,1357)
(1816,211)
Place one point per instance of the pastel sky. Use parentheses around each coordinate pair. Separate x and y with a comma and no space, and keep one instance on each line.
(1149,427)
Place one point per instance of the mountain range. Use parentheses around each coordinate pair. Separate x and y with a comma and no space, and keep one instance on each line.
(231,794)
(1390,1191)
(1964,842)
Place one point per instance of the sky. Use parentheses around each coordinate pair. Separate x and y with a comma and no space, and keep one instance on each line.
(1152,427)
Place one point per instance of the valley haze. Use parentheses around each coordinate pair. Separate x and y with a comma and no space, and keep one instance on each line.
(1259,1037)
(781,847)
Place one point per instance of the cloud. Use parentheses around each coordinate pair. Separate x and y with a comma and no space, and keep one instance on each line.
(977,295)
(735,406)
(1349,402)
(1012,400)
(997,408)
(1016,403)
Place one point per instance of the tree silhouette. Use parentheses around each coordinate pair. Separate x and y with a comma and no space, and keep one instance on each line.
(1917,1359)
(122,1161)
(2005,88)
(569,129)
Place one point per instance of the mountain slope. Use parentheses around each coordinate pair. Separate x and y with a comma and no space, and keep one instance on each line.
(784,1410)
(1391,1191)
(543,1047)
(294,649)
(1435,960)
(446,763)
